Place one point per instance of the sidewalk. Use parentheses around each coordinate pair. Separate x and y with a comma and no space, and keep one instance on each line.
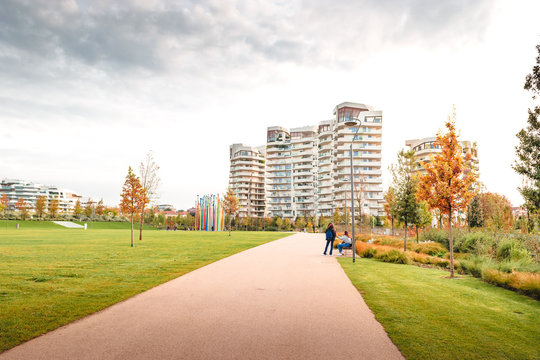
(281,300)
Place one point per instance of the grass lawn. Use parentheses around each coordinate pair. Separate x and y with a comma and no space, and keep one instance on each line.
(34,224)
(430,317)
(28,224)
(51,277)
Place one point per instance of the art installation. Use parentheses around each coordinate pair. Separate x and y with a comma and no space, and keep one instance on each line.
(209,214)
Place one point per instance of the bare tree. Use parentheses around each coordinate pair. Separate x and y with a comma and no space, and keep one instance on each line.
(150,182)
(359,194)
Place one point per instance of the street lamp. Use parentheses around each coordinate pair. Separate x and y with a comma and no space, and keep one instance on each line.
(353,122)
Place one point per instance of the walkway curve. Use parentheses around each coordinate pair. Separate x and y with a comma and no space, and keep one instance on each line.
(281,300)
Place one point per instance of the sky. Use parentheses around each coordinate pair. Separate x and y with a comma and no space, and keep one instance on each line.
(87,88)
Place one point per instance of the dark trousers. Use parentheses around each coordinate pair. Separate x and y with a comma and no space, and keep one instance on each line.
(331,243)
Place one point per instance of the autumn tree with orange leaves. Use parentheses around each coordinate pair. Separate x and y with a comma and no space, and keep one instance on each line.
(40,206)
(22,206)
(230,205)
(4,203)
(448,182)
(133,197)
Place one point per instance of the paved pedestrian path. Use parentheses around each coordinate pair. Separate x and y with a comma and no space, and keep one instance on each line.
(281,300)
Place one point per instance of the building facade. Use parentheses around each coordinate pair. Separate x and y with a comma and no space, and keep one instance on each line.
(424,149)
(308,168)
(335,139)
(291,171)
(247,179)
(29,192)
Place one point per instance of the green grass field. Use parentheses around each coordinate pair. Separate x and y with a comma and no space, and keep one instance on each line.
(430,317)
(34,224)
(50,276)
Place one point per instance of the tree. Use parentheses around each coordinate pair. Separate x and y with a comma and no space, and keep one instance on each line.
(336,217)
(279,223)
(132,197)
(40,206)
(22,206)
(230,205)
(89,208)
(100,208)
(150,183)
(4,202)
(448,183)
(300,223)
(54,205)
(287,224)
(475,216)
(406,185)
(77,209)
(528,149)
(496,210)
(390,206)
(424,217)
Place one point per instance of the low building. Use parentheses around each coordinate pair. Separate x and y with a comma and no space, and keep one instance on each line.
(28,191)
(166,207)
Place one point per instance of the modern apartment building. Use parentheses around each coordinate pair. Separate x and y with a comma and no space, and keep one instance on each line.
(308,168)
(17,189)
(425,148)
(291,171)
(247,178)
(366,158)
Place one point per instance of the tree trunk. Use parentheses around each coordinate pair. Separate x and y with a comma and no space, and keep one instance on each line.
(230,220)
(451,243)
(405,241)
(141,220)
(131,230)
(416,233)
(392,226)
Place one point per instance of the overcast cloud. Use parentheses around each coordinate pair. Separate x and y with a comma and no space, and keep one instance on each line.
(88,87)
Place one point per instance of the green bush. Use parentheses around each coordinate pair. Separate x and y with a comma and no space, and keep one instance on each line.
(393,256)
(369,253)
(475,264)
(429,248)
(474,242)
(512,249)
(436,235)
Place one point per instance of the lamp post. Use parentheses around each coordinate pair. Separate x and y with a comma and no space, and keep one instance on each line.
(353,122)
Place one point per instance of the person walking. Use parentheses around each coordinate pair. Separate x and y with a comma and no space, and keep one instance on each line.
(346,242)
(330,237)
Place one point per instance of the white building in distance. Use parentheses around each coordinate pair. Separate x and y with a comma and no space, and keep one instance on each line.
(29,192)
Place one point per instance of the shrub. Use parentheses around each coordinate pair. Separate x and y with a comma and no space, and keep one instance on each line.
(512,249)
(393,256)
(525,283)
(436,235)
(476,242)
(370,253)
(475,264)
(430,248)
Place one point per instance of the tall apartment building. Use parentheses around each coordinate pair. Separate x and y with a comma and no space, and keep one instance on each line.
(308,168)
(425,148)
(291,171)
(17,189)
(247,178)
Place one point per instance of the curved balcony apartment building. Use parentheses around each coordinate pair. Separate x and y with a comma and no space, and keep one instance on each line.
(334,162)
(308,168)
(424,149)
(247,179)
(291,171)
